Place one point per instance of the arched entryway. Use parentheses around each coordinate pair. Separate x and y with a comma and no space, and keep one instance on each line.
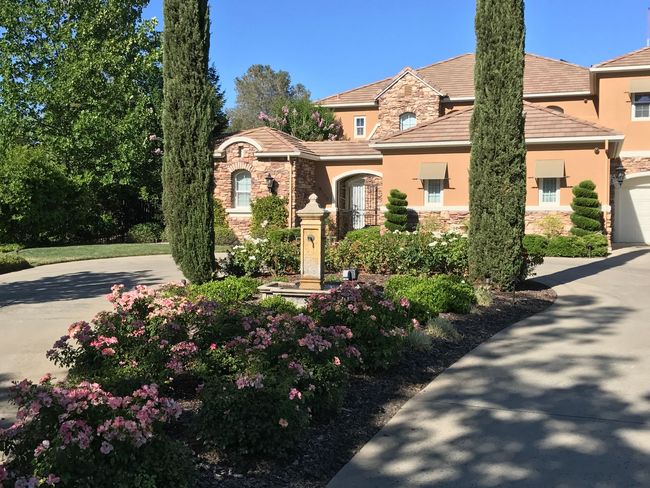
(358,197)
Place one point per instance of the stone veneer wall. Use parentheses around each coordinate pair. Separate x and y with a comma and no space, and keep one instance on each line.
(304,177)
(409,94)
(231,162)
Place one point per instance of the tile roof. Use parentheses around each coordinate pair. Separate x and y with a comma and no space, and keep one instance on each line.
(640,57)
(455,76)
(341,148)
(275,141)
(540,123)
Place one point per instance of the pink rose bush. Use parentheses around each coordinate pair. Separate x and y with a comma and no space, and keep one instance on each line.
(379,325)
(86,436)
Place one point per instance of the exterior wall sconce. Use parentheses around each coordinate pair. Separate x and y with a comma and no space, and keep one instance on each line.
(269,182)
(619,175)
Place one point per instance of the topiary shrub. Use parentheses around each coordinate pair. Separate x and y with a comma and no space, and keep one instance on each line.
(268,213)
(145,232)
(586,216)
(396,216)
(12,262)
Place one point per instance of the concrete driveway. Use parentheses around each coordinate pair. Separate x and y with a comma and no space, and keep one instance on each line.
(38,304)
(561,399)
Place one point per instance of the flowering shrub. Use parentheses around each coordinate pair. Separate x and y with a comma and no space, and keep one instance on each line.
(264,256)
(270,379)
(146,337)
(85,436)
(431,295)
(268,213)
(378,325)
(400,252)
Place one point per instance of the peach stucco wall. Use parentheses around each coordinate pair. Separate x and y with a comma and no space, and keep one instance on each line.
(615,107)
(347,115)
(581,163)
(326,172)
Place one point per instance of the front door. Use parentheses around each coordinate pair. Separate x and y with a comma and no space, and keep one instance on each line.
(357,202)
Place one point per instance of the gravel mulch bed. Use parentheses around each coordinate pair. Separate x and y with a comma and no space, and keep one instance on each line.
(373,400)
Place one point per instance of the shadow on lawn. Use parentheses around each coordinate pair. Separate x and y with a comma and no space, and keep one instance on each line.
(503,417)
(71,286)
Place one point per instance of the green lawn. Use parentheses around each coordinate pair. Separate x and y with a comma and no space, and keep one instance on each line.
(49,255)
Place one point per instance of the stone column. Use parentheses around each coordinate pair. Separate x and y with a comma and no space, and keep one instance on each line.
(312,244)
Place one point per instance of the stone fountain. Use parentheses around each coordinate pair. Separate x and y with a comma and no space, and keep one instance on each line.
(312,253)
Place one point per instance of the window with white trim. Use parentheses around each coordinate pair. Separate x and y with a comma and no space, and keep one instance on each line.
(549,191)
(241,186)
(407,120)
(359,126)
(433,192)
(641,106)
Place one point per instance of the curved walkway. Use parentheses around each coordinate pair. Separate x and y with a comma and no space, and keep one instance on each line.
(561,399)
(38,304)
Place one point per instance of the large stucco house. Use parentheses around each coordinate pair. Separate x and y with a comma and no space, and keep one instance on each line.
(411,132)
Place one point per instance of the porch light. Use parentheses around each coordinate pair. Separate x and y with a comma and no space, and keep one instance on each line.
(619,174)
(269,182)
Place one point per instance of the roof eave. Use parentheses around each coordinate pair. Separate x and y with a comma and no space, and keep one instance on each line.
(529,140)
(348,105)
(615,69)
(529,95)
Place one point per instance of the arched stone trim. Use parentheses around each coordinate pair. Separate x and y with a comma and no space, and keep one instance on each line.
(336,179)
(236,139)
(237,165)
(641,174)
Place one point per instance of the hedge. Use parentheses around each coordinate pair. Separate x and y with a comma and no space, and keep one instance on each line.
(590,245)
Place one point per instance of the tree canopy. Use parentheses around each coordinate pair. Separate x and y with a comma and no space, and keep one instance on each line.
(82,81)
(304,120)
(261,90)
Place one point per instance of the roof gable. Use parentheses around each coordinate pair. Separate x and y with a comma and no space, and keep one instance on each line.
(455,78)
(408,71)
(634,59)
(541,124)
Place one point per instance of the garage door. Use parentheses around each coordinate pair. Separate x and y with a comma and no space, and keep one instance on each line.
(633,211)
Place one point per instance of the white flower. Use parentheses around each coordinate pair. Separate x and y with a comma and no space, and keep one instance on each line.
(252,258)
(264,224)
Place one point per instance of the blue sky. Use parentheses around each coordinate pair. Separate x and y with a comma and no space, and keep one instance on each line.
(336,45)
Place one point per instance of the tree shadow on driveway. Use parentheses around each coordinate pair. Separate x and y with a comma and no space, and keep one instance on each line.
(71,286)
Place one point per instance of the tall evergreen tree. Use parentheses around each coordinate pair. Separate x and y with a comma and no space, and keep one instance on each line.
(187,125)
(498,162)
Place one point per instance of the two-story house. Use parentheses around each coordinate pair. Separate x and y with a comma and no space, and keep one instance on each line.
(411,132)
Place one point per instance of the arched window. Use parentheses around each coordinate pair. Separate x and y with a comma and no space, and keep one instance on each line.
(555,108)
(241,189)
(407,120)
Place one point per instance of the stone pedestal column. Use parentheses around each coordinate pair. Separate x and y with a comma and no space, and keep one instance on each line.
(312,244)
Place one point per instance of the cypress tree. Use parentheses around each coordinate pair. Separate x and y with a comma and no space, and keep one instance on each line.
(586,216)
(187,122)
(396,217)
(498,161)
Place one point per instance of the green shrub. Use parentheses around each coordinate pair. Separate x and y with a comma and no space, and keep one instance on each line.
(10,247)
(225,236)
(229,291)
(12,262)
(396,216)
(278,305)
(586,216)
(419,340)
(145,232)
(483,296)
(577,246)
(219,214)
(268,213)
(283,235)
(430,296)
(363,234)
(535,244)
(263,257)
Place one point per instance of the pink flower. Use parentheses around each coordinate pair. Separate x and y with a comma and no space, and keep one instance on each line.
(52,479)
(213,346)
(405,303)
(106,447)
(153,137)
(283,423)
(108,351)
(46,377)
(295,393)
(3,473)
(337,361)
